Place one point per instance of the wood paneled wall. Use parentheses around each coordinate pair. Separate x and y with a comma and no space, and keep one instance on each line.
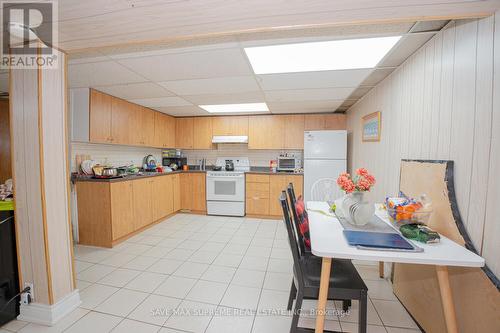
(5,161)
(442,103)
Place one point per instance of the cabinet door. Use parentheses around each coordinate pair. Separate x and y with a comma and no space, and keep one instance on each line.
(266,132)
(147,126)
(335,122)
(277,183)
(294,131)
(184,134)
(159,130)
(186,191)
(176,192)
(257,206)
(230,125)
(203,133)
(314,122)
(100,117)
(122,209)
(160,198)
(121,124)
(199,191)
(257,197)
(168,192)
(169,132)
(143,205)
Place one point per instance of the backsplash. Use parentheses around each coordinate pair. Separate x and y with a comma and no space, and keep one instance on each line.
(112,154)
(124,155)
(257,157)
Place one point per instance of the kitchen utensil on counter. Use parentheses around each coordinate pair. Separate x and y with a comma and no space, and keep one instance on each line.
(229,165)
(185,167)
(87,166)
(150,163)
(217,168)
(110,172)
(174,166)
(97,170)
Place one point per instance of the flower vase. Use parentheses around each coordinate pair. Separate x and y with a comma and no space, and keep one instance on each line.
(357,209)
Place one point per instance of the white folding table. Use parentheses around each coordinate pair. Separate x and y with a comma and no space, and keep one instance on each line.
(328,241)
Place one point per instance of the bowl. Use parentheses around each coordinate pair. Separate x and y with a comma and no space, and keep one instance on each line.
(400,217)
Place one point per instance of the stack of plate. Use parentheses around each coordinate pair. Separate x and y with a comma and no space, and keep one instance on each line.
(87,166)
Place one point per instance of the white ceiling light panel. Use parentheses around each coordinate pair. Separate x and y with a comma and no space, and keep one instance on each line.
(320,56)
(236,108)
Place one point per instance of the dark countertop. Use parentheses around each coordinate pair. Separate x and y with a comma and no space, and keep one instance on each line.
(253,170)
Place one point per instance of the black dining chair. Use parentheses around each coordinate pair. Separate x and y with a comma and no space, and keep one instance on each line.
(345,282)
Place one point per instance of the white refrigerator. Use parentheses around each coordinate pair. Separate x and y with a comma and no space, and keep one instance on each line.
(325,156)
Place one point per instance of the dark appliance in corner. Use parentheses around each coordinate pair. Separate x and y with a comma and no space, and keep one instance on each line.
(9,278)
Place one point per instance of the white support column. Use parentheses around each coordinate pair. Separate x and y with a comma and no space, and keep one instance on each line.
(40,164)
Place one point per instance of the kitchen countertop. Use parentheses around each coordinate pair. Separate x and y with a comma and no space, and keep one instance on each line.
(253,170)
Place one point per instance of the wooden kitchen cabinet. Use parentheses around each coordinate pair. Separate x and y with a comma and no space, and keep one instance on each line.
(186,192)
(294,131)
(163,200)
(100,117)
(199,191)
(202,133)
(266,132)
(230,125)
(142,126)
(143,202)
(257,195)
(164,130)
(184,133)
(170,131)
(122,209)
(193,191)
(121,122)
(326,121)
(176,192)
(278,183)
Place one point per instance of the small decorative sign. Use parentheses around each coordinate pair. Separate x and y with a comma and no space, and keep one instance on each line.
(371,126)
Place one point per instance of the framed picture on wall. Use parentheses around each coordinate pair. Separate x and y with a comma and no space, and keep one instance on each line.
(371,125)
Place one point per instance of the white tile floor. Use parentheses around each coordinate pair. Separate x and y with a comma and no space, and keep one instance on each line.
(214,266)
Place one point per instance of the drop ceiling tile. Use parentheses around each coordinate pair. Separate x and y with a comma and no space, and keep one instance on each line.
(194,65)
(227,85)
(104,73)
(136,90)
(308,94)
(376,76)
(406,46)
(305,107)
(308,80)
(183,111)
(159,102)
(248,97)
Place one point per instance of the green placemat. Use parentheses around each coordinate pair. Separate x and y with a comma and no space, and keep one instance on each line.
(6,205)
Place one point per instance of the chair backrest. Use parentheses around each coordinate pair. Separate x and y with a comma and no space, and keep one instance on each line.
(292,239)
(296,222)
(325,189)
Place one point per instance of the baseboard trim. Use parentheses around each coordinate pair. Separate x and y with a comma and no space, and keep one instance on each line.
(49,315)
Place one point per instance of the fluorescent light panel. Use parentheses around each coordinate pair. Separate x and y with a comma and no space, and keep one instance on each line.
(227,108)
(320,56)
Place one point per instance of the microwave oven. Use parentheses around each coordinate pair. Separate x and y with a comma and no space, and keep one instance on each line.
(289,163)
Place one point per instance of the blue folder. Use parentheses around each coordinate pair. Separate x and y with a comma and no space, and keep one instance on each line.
(377,240)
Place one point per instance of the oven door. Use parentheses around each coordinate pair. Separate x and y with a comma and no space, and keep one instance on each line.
(226,188)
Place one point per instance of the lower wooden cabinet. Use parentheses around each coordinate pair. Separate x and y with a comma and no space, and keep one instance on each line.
(193,191)
(122,209)
(108,212)
(263,192)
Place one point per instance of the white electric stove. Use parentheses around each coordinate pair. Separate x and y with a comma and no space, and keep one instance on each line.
(226,188)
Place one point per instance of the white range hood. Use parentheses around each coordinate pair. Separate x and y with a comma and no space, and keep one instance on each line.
(230,139)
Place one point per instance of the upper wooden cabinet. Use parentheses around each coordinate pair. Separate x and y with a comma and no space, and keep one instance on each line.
(122,127)
(327,121)
(266,132)
(294,131)
(100,117)
(202,133)
(184,133)
(230,125)
(164,132)
(142,125)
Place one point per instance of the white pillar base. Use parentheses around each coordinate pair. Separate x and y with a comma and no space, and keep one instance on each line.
(49,315)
